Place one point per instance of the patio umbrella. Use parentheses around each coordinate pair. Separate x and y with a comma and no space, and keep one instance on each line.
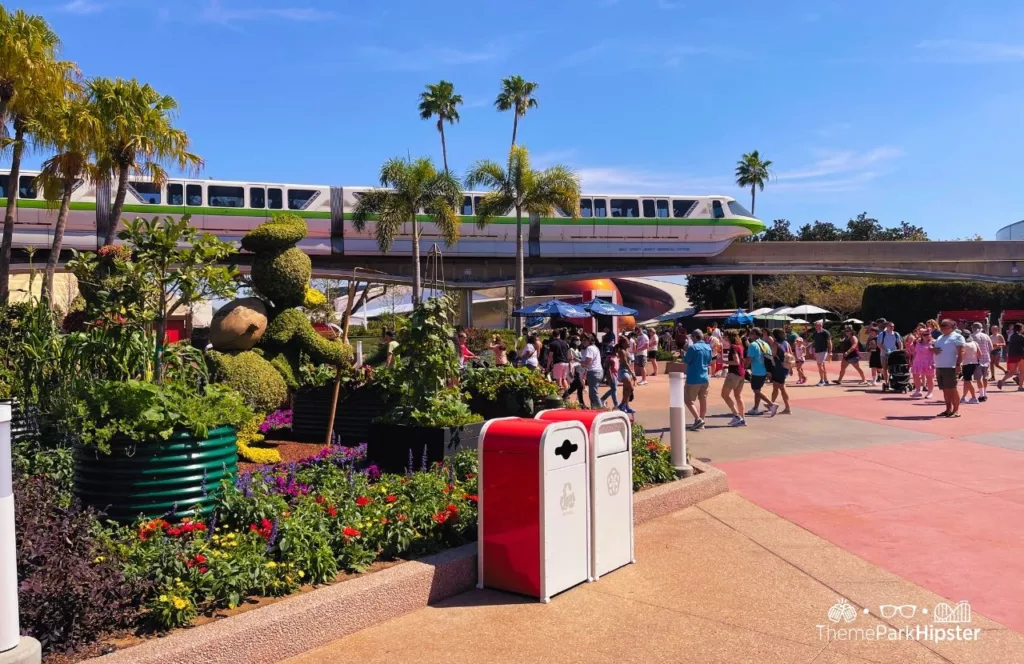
(854,321)
(807,310)
(599,307)
(799,321)
(739,318)
(553,308)
(761,312)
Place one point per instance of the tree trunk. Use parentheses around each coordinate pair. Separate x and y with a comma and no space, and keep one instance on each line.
(444,147)
(115,211)
(12,204)
(415,261)
(750,277)
(753,195)
(58,240)
(347,317)
(161,330)
(520,267)
(515,127)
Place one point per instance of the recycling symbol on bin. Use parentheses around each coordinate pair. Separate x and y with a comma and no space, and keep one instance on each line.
(568,499)
(613,482)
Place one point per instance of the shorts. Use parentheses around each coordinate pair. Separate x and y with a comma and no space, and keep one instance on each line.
(757,382)
(996,355)
(1013,360)
(640,360)
(821,357)
(970,371)
(799,361)
(652,355)
(560,371)
(733,381)
(779,375)
(623,375)
(695,391)
(946,377)
(853,359)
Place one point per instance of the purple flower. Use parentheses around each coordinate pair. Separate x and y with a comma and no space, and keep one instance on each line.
(372,472)
(273,536)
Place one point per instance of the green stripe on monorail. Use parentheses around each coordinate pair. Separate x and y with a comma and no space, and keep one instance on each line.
(752,225)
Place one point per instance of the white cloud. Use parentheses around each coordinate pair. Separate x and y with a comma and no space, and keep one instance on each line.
(552,157)
(83,7)
(846,161)
(641,55)
(430,57)
(611,179)
(215,12)
(965,51)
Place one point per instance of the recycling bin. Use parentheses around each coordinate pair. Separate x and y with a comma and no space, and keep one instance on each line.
(533,524)
(611,485)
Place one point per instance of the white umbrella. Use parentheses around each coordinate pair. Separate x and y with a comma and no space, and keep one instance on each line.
(807,310)
(854,321)
(799,321)
(761,311)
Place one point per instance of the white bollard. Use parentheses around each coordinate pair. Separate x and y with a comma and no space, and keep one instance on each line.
(359,353)
(677,422)
(9,631)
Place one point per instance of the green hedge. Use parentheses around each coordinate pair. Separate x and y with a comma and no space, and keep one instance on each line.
(262,388)
(912,302)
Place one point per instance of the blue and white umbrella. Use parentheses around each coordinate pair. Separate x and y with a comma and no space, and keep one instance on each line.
(599,307)
(553,308)
(739,318)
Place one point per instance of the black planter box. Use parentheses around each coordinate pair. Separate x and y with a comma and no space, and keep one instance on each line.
(311,410)
(390,445)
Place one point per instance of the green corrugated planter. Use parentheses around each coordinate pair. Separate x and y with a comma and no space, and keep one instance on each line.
(155,479)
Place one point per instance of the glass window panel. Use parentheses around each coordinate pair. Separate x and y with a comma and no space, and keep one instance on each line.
(221,196)
(257,197)
(151,194)
(600,207)
(274,198)
(625,207)
(682,208)
(298,199)
(648,208)
(175,194)
(663,209)
(194,195)
(27,186)
(586,208)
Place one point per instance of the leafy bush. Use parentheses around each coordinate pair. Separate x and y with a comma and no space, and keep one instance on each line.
(248,438)
(498,391)
(70,586)
(282,276)
(479,339)
(908,303)
(293,323)
(145,412)
(652,460)
(260,384)
(665,355)
(284,230)
(316,375)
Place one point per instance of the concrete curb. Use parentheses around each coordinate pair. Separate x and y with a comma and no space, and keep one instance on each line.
(303,622)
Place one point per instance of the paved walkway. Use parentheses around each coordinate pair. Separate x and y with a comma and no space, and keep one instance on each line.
(936,501)
(725,581)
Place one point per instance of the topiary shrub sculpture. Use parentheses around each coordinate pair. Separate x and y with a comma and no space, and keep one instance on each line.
(261,386)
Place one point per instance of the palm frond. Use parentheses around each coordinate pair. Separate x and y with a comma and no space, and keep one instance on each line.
(486,174)
(492,204)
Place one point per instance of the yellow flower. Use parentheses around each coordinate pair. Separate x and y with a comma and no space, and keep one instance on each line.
(301,574)
(163,598)
(99,559)
(271,564)
(179,603)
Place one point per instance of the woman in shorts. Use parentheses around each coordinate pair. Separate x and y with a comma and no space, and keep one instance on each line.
(780,348)
(652,352)
(732,389)
(626,376)
(851,357)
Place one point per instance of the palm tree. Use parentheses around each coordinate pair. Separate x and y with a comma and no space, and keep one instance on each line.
(440,99)
(752,172)
(516,93)
(71,128)
(30,76)
(524,189)
(140,138)
(407,187)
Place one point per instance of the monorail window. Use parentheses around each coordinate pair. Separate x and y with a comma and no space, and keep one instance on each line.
(150,193)
(221,196)
(467,206)
(738,210)
(175,194)
(274,199)
(586,208)
(600,207)
(4,180)
(663,209)
(625,207)
(716,209)
(27,186)
(257,197)
(194,195)
(476,202)
(298,199)
(682,208)
(648,208)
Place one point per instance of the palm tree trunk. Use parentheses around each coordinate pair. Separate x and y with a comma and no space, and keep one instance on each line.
(161,333)
(115,211)
(444,147)
(750,277)
(58,240)
(520,267)
(415,262)
(515,127)
(753,196)
(12,204)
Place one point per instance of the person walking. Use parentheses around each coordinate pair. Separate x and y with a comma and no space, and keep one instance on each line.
(758,355)
(799,345)
(782,361)
(528,356)
(611,363)
(1014,356)
(558,360)
(984,359)
(626,376)
(971,364)
(640,356)
(652,351)
(850,348)
(822,342)
(592,365)
(889,340)
(500,351)
(732,389)
(576,375)
(923,363)
(948,350)
(698,361)
(998,344)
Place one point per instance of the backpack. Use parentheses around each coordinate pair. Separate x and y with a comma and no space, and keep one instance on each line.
(766,354)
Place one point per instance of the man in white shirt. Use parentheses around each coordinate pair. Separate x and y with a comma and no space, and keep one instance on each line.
(640,358)
(949,356)
(984,358)
(888,341)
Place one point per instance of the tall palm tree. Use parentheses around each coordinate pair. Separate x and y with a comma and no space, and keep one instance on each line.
(140,137)
(72,129)
(30,76)
(516,94)
(753,172)
(440,99)
(521,188)
(407,187)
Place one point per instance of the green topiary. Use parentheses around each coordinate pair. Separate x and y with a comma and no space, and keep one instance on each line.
(282,276)
(282,231)
(257,380)
(287,364)
(293,324)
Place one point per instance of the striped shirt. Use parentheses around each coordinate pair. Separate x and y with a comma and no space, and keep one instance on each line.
(984,347)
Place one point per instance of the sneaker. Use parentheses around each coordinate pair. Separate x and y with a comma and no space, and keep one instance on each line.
(698,425)
(928,395)
(753,411)
(737,421)
(983,398)
(916,394)
(772,410)
(970,401)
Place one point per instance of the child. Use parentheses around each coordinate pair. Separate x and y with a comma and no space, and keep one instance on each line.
(923,363)
(800,351)
(874,359)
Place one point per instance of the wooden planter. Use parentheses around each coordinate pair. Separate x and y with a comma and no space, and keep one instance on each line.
(390,445)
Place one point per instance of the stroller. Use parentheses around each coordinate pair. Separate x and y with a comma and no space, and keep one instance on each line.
(899,372)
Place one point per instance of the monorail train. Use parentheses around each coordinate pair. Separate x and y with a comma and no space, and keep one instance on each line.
(610,225)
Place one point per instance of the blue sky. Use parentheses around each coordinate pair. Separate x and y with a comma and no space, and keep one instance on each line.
(907,110)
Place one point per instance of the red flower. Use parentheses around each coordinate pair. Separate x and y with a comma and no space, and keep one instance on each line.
(362,501)
(202,570)
(449,488)
(174,532)
(402,517)
(472,497)
(200,558)
(440,517)
(391,498)
(452,509)
(265,529)
(385,520)
(320,500)
(470,476)
(350,532)
(189,563)
(332,510)
(201,527)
